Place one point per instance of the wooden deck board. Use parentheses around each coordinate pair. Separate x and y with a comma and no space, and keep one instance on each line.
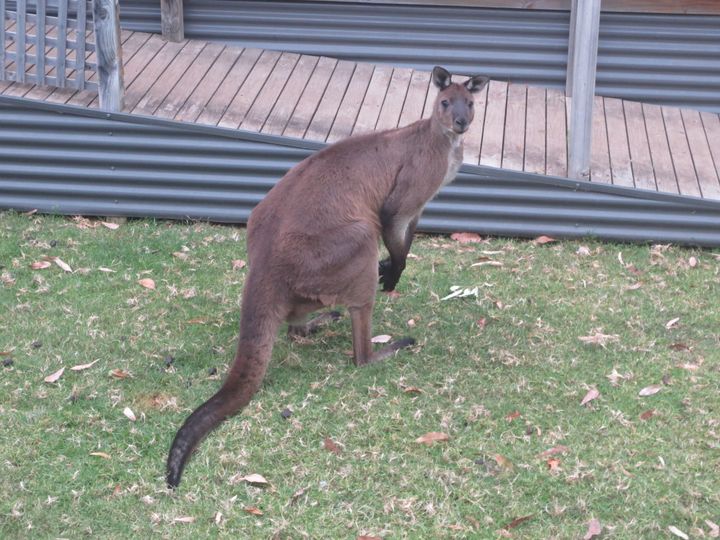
(711,123)
(310,98)
(213,78)
(513,157)
(680,152)
(285,104)
(659,149)
(599,152)
(472,143)
(225,93)
(516,126)
(415,98)
(556,134)
(344,120)
(620,167)
(369,113)
(271,92)
(324,117)
(178,96)
(534,160)
(391,110)
(246,94)
(165,83)
(700,152)
(491,152)
(640,159)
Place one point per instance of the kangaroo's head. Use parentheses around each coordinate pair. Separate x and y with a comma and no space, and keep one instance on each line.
(454,107)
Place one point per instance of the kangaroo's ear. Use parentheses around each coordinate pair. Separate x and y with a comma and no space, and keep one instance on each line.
(441,77)
(476,83)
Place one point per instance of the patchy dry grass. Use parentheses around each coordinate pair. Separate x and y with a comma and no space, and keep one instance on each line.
(503,374)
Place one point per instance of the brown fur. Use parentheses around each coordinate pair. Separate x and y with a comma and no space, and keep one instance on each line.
(313,242)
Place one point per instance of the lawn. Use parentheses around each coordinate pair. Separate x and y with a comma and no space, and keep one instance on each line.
(149,312)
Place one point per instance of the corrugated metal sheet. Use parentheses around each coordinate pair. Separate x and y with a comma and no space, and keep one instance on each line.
(93,163)
(671,59)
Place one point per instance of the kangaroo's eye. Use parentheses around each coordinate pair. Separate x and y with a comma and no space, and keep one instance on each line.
(445,103)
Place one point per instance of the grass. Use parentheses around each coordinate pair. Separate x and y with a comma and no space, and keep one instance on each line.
(503,374)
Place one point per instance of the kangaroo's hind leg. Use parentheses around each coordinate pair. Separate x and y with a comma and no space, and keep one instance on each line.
(298,324)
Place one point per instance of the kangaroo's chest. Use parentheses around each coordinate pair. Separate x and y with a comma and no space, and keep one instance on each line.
(454,160)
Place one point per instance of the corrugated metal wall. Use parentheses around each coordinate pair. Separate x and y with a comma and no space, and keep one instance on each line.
(92,163)
(671,59)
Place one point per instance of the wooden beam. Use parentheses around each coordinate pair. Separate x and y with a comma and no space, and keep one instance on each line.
(106,16)
(685,7)
(584,63)
(172,20)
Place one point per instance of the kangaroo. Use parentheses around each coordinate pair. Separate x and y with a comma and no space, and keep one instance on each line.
(313,243)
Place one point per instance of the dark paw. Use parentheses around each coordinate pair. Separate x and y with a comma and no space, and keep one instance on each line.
(403,343)
(384,269)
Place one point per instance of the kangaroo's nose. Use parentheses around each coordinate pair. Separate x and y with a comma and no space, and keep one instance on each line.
(461,124)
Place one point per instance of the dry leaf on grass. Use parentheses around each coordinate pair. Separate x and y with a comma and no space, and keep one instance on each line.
(363,537)
(594,529)
(330,446)
(62,264)
(253,510)
(648,414)
(238,264)
(714,529)
(672,323)
(693,262)
(111,226)
(433,437)
(147,283)
(184,519)
(53,377)
(677,532)
(553,465)
(583,251)
(540,240)
(84,366)
(255,479)
(466,237)
(512,416)
(591,395)
(560,449)
(40,265)
(503,462)
(118,373)
(383,338)
(650,390)
(127,411)
(100,454)
(598,338)
(517,521)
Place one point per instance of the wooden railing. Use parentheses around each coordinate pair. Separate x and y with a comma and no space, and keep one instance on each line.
(57,43)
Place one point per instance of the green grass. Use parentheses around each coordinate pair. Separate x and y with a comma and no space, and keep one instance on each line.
(637,477)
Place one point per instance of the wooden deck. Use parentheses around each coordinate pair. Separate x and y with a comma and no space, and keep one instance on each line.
(516,126)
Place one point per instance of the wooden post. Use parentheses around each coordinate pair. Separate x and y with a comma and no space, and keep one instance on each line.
(172,20)
(106,16)
(581,72)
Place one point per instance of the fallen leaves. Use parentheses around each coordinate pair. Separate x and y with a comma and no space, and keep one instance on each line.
(512,416)
(254,479)
(592,394)
(100,454)
(560,449)
(82,367)
(127,411)
(62,264)
(40,265)
(148,283)
(598,338)
(53,377)
(238,264)
(382,338)
(543,239)
(253,510)
(432,437)
(594,529)
(466,237)
(672,323)
(504,463)
(677,532)
(331,446)
(184,519)
(650,390)
(714,529)
(518,521)
(553,465)
(118,373)
(648,414)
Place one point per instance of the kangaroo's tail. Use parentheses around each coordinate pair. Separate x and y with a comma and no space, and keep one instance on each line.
(258,331)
